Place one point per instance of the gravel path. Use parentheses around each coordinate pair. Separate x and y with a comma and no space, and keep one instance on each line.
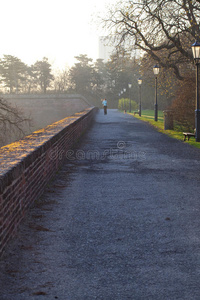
(120,221)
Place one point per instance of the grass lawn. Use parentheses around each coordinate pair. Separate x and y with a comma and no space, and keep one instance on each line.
(148,116)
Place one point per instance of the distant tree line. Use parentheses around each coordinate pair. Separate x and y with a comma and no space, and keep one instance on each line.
(17,77)
(92,79)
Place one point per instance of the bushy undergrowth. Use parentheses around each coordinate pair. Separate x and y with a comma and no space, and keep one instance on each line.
(124,104)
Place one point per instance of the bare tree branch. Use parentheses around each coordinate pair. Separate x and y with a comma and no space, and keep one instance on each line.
(13,122)
(164,29)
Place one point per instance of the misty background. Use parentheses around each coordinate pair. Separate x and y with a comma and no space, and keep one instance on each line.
(43,110)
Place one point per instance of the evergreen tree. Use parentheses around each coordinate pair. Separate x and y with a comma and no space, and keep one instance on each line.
(42,73)
(81,75)
(12,72)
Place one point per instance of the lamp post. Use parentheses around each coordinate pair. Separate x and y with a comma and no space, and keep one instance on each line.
(124,99)
(124,91)
(156,69)
(140,97)
(196,55)
(129,86)
(119,104)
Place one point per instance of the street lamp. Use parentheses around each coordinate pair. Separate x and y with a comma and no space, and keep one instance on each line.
(140,105)
(123,100)
(196,55)
(156,70)
(129,86)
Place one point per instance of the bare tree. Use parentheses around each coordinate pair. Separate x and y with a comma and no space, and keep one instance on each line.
(61,81)
(164,29)
(13,123)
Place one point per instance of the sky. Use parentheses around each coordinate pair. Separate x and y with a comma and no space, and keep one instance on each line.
(57,29)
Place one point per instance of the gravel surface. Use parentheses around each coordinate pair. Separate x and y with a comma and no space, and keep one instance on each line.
(120,221)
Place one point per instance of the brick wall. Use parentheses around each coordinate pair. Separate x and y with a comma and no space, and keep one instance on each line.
(29,164)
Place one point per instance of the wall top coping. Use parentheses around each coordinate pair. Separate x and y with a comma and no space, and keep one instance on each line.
(13,154)
(44,96)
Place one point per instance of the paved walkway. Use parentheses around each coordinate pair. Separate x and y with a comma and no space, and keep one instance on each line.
(121,221)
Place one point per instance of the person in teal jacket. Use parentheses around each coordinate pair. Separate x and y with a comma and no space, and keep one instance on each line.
(104,102)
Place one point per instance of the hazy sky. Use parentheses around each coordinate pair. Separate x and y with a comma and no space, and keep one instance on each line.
(57,29)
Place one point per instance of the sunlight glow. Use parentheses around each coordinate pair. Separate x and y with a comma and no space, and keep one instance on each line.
(58,29)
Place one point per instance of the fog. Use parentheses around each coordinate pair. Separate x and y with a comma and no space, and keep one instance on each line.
(44,110)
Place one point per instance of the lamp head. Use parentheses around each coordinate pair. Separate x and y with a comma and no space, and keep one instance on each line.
(196,52)
(156,69)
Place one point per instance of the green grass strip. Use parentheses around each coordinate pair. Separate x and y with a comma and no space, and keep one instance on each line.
(159,125)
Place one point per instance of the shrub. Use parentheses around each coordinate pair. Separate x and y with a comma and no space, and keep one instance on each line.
(124,104)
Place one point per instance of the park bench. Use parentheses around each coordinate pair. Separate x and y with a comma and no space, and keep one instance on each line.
(136,112)
(189,134)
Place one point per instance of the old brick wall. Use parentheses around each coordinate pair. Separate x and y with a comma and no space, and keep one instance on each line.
(29,164)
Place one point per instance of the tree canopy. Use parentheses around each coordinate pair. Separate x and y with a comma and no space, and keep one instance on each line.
(163,29)
(42,73)
(16,76)
(12,71)
(81,74)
